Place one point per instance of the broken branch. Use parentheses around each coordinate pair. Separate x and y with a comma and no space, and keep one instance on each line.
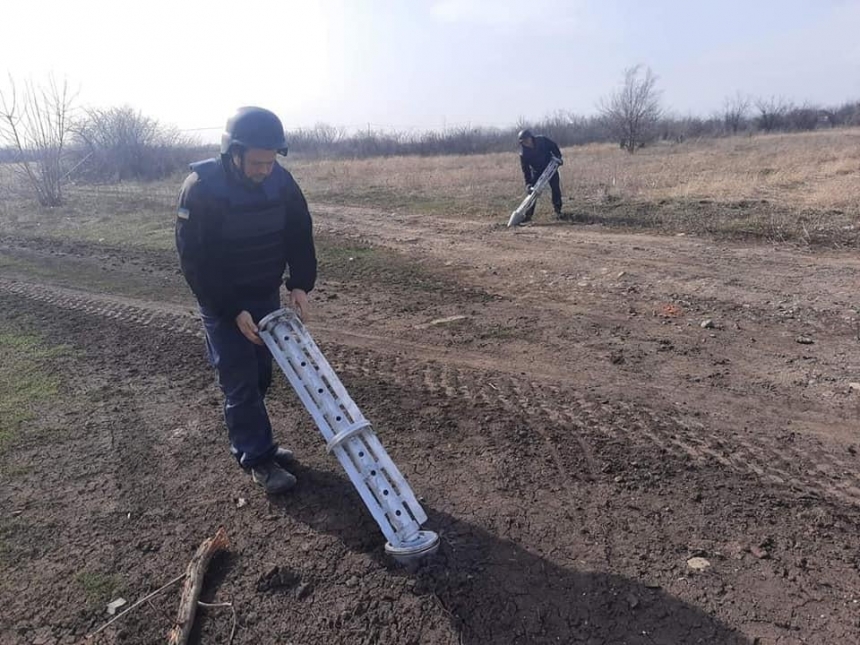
(193,585)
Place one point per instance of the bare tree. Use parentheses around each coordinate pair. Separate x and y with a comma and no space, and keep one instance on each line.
(633,111)
(772,112)
(34,125)
(328,135)
(735,110)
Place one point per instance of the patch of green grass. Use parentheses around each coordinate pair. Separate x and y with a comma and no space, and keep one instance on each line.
(133,216)
(73,272)
(7,262)
(499,332)
(98,587)
(26,266)
(352,261)
(26,380)
(123,227)
(11,543)
(18,470)
(4,544)
(392,200)
(331,252)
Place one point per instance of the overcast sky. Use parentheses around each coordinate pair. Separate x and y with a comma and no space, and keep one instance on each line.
(428,63)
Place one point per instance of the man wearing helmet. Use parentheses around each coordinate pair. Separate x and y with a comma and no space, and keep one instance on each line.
(536,151)
(242,221)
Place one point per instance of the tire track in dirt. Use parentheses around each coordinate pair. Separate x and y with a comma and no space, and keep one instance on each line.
(417,367)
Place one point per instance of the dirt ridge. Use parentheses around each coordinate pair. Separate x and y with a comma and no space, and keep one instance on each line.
(813,473)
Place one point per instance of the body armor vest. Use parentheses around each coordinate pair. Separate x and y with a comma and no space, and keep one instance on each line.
(246,226)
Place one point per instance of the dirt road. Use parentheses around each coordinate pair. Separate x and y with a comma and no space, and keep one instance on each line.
(577,428)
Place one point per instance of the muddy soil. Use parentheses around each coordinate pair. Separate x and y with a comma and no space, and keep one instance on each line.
(576,434)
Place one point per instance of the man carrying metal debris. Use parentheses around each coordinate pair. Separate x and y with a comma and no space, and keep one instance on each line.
(536,151)
(242,221)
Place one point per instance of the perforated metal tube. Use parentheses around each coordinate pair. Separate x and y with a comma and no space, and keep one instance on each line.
(348,435)
(520,212)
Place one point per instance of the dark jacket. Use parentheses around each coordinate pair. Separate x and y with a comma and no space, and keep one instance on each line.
(235,240)
(535,160)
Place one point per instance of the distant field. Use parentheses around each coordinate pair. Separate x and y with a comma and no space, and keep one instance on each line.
(815,170)
(797,187)
(804,186)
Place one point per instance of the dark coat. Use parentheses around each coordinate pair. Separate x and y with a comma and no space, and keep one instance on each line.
(535,160)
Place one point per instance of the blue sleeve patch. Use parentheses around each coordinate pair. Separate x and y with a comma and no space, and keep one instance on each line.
(183,213)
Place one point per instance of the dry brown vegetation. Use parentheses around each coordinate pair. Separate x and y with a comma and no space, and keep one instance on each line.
(782,187)
(812,170)
(787,186)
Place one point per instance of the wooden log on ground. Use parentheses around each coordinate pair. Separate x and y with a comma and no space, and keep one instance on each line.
(193,586)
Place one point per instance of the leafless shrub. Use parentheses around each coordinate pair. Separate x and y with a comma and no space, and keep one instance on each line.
(34,129)
(735,110)
(689,128)
(847,114)
(804,118)
(772,113)
(632,112)
(324,140)
(565,128)
(121,144)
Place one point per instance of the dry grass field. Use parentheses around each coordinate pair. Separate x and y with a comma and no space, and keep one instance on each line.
(814,170)
(801,188)
(787,186)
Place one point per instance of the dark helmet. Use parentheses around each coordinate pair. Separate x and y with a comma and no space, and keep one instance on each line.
(525,134)
(254,127)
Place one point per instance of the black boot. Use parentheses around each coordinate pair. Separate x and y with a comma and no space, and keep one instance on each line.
(284,457)
(274,479)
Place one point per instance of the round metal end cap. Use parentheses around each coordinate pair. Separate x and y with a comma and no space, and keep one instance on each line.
(424,544)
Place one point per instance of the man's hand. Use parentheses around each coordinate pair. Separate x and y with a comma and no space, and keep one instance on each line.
(248,328)
(299,302)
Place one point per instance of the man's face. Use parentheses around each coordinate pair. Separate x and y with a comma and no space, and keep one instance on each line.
(528,142)
(258,164)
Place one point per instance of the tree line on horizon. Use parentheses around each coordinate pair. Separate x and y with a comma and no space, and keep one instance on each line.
(48,140)
(633,116)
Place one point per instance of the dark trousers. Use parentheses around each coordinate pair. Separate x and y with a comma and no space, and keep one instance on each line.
(555,187)
(244,374)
